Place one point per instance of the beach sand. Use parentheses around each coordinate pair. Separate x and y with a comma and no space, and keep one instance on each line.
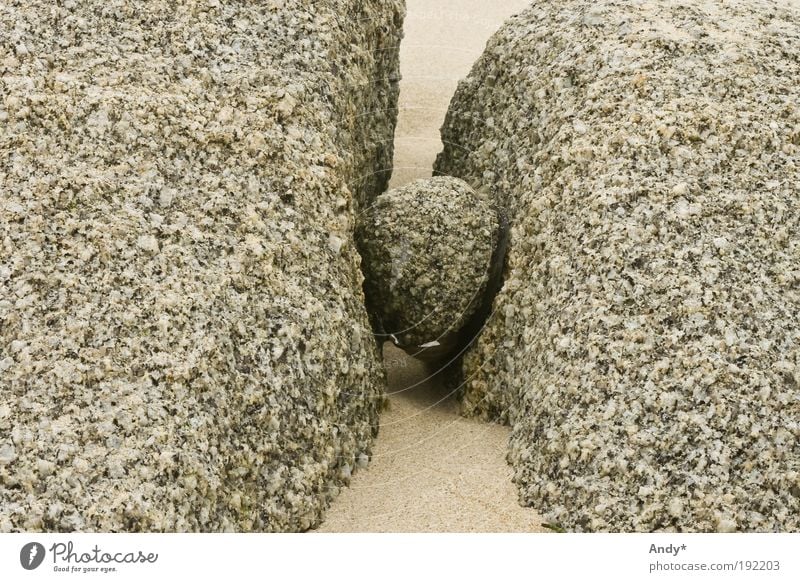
(443,38)
(432,470)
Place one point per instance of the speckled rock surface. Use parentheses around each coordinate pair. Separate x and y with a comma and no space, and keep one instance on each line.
(183,339)
(645,344)
(427,249)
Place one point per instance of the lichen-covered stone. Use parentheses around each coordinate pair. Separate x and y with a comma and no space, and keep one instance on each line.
(645,343)
(183,339)
(427,248)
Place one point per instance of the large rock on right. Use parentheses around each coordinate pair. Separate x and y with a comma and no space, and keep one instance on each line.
(644,346)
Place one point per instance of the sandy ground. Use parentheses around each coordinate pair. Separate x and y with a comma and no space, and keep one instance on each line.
(443,38)
(433,471)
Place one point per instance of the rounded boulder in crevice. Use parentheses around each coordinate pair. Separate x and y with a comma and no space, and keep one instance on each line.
(427,251)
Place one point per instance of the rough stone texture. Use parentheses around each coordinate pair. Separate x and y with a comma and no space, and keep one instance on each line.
(183,340)
(645,344)
(427,248)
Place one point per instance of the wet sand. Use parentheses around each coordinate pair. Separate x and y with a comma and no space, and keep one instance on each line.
(433,471)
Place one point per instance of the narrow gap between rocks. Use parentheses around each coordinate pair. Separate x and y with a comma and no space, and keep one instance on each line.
(431,469)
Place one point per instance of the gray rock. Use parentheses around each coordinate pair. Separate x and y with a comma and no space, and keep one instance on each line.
(183,338)
(644,345)
(427,249)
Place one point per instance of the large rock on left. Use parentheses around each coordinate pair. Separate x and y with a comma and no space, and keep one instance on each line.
(183,339)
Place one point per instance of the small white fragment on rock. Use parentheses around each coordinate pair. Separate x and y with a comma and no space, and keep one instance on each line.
(148,243)
(6,364)
(682,209)
(45,468)
(721,243)
(166,197)
(225,115)
(15,208)
(594,16)
(681,189)
(99,120)
(81,465)
(7,454)
(286,106)
(726,525)
(335,244)
(256,142)
(675,507)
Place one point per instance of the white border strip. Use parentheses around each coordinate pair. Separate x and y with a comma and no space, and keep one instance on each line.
(375,558)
